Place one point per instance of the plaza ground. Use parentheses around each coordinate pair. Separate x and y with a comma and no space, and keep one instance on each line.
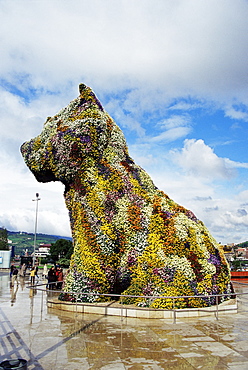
(53,339)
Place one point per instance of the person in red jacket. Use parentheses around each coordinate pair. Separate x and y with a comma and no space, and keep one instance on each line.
(60,278)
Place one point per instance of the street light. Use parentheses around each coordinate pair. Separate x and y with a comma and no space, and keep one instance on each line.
(35,226)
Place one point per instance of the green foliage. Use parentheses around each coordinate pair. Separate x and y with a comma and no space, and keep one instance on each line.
(238,264)
(43,261)
(4,239)
(243,245)
(61,249)
(64,262)
(23,240)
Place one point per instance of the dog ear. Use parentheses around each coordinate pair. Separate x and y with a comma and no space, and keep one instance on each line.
(91,124)
(82,87)
(88,99)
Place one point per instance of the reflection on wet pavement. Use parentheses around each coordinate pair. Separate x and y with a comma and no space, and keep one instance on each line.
(53,339)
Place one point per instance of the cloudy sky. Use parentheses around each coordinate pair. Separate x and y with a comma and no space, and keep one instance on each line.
(173,75)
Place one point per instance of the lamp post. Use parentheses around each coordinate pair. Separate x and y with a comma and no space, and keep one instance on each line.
(35,226)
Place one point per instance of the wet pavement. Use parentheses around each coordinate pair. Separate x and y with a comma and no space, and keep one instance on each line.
(53,339)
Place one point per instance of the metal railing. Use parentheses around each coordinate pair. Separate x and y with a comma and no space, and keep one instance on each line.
(217,298)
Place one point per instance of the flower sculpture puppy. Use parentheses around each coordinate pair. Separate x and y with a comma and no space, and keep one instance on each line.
(129,237)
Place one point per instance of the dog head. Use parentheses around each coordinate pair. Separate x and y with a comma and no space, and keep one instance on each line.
(71,140)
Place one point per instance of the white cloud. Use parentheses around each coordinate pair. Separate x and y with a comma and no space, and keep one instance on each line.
(199,159)
(176,127)
(175,121)
(233,164)
(236,114)
(170,135)
(186,106)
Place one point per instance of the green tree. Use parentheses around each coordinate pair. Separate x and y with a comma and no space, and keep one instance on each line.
(243,245)
(4,239)
(61,249)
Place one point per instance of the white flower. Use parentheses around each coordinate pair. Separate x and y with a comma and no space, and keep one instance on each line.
(179,263)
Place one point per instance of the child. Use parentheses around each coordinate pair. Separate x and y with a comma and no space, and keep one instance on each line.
(32,275)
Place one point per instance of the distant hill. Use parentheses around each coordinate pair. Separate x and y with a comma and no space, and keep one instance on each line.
(243,245)
(22,240)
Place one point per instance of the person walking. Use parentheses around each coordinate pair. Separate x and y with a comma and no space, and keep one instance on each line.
(36,273)
(32,275)
(45,271)
(12,267)
(14,276)
(23,270)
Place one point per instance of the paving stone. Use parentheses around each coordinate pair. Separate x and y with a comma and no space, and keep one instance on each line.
(54,339)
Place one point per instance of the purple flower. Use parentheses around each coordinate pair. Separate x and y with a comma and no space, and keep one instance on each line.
(215,260)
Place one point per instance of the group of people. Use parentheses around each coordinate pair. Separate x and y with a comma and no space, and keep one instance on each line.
(54,275)
(55,278)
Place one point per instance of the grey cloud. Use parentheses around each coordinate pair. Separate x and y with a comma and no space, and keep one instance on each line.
(241,212)
(211,209)
(194,54)
(202,198)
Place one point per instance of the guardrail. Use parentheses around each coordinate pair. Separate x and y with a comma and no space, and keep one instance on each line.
(216,297)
